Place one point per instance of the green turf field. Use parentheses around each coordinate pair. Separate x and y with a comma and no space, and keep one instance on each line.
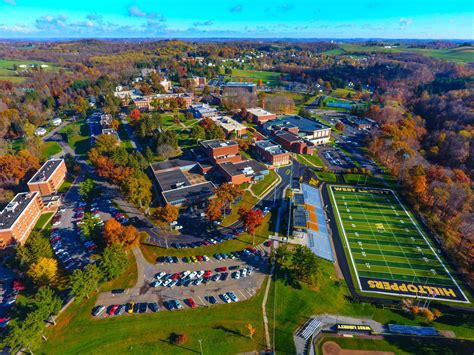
(388,250)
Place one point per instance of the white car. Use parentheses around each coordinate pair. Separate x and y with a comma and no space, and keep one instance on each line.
(173,283)
(205,258)
(160,275)
(226,298)
(167,282)
(155,283)
(200,273)
(232,296)
(243,272)
(192,275)
(186,273)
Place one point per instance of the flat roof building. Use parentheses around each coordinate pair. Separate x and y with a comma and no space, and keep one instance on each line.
(221,151)
(311,130)
(260,116)
(236,85)
(229,125)
(202,110)
(271,153)
(179,185)
(49,178)
(19,217)
(242,172)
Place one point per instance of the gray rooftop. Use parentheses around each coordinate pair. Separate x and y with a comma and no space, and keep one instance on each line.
(172,164)
(303,124)
(171,179)
(14,209)
(216,143)
(190,193)
(299,199)
(299,217)
(234,169)
(269,146)
(45,172)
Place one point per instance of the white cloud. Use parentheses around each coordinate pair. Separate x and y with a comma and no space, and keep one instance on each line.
(404,22)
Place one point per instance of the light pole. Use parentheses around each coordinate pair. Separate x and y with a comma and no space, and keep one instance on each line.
(200,345)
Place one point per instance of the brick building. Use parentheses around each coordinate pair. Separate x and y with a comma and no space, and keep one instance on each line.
(19,217)
(221,151)
(293,143)
(271,153)
(235,86)
(312,131)
(260,116)
(245,171)
(49,178)
(145,102)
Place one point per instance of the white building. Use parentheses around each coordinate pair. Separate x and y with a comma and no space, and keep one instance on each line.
(40,131)
(56,121)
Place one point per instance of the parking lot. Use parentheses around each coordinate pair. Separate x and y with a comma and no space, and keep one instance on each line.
(191,283)
(335,159)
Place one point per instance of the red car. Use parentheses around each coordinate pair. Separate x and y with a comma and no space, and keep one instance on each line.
(206,242)
(207,273)
(267,243)
(55,239)
(221,269)
(92,247)
(175,276)
(191,303)
(18,285)
(199,257)
(112,309)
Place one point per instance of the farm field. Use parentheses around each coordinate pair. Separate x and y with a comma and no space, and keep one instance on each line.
(389,252)
(7,71)
(457,55)
(270,77)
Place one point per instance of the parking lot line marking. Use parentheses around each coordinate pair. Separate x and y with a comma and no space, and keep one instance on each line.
(242,294)
(250,294)
(200,299)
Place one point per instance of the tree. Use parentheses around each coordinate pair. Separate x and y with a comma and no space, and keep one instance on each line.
(114,262)
(135,115)
(137,188)
(36,247)
(428,315)
(340,126)
(214,210)
(25,335)
(250,329)
(149,155)
(251,218)
(178,338)
(304,263)
(436,313)
(84,282)
(126,236)
(304,113)
(86,188)
(44,271)
(415,310)
(47,302)
(198,132)
(168,213)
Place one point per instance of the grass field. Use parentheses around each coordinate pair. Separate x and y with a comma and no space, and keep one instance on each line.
(7,71)
(45,217)
(270,77)
(457,55)
(77,135)
(262,185)
(221,329)
(388,250)
(49,149)
(247,201)
(310,159)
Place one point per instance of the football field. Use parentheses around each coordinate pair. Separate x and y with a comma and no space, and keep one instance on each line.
(388,250)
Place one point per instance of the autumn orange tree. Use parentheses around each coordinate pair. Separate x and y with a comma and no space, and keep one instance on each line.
(251,218)
(214,210)
(135,115)
(126,236)
(168,213)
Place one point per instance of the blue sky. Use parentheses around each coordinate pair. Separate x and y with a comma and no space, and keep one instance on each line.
(451,19)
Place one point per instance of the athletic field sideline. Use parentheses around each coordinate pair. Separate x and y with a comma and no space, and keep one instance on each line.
(388,250)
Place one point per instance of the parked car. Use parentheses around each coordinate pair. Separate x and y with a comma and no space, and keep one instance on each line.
(160,275)
(156,283)
(112,309)
(225,298)
(232,296)
(153,307)
(129,307)
(211,299)
(120,309)
(221,269)
(97,311)
(143,307)
(191,303)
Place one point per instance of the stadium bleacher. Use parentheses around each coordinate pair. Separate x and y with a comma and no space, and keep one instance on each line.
(309,328)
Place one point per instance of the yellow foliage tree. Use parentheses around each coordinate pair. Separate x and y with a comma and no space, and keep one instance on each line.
(44,271)
(250,329)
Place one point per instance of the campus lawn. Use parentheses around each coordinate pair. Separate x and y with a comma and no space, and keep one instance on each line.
(241,242)
(41,223)
(260,187)
(247,201)
(78,136)
(49,149)
(310,159)
(66,184)
(221,328)
(127,279)
(8,73)
(326,176)
(254,75)
(342,92)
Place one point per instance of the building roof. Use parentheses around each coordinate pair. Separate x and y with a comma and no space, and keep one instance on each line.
(238,84)
(303,124)
(46,171)
(171,179)
(299,217)
(227,123)
(259,112)
(247,167)
(189,193)
(172,164)
(15,208)
(217,143)
(270,147)
(288,136)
